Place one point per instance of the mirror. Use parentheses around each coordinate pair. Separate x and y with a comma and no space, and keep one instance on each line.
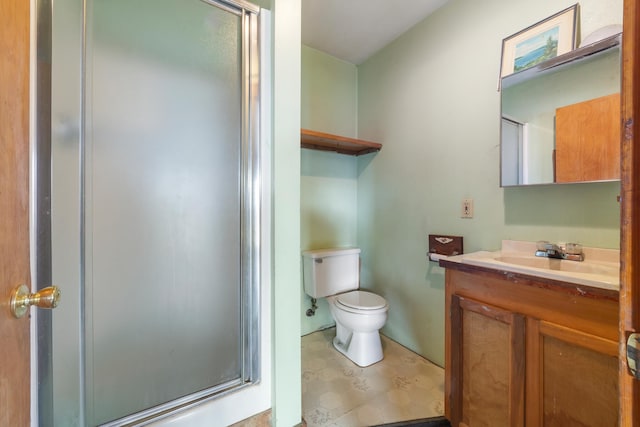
(560,120)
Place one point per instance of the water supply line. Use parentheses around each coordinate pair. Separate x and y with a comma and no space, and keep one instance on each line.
(312,310)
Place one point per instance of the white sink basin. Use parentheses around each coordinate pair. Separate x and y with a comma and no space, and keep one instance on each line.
(601,267)
(561,265)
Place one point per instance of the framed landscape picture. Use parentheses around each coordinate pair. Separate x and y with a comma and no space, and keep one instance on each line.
(545,40)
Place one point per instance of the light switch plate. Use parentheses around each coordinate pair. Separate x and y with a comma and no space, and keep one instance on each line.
(466,210)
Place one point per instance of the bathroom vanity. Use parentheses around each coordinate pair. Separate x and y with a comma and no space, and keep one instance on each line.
(529,343)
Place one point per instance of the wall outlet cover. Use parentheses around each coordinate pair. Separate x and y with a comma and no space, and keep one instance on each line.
(466,210)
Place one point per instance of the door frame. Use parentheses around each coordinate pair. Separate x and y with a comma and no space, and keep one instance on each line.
(629,320)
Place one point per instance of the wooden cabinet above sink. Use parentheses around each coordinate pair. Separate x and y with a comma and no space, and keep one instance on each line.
(588,140)
(340,144)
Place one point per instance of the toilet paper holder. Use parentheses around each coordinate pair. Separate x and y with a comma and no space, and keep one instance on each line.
(442,246)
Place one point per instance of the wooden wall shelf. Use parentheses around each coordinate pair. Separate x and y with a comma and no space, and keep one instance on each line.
(340,144)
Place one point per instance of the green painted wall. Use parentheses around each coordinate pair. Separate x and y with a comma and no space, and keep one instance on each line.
(328,182)
(285,340)
(329,98)
(430,97)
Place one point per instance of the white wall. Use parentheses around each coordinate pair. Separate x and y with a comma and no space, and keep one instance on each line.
(286,370)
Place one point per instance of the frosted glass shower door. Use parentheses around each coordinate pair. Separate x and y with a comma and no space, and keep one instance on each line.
(164,167)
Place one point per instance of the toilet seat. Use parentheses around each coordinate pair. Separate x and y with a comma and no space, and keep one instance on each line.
(361,300)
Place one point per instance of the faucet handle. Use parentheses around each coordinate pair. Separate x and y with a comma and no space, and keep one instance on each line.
(542,245)
(573,248)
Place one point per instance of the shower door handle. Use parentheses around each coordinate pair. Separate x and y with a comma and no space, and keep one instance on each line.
(22,299)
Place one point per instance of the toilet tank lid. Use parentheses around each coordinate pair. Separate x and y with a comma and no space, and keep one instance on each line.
(322,253)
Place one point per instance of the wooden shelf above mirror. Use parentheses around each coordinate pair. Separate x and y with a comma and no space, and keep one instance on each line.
(340,144)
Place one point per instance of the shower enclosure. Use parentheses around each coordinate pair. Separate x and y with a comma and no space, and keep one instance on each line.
(148,206)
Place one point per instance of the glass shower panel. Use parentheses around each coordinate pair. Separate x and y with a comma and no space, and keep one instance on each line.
(162,176)
(66,396)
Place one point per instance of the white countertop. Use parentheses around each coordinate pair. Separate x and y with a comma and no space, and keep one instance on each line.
(600,268)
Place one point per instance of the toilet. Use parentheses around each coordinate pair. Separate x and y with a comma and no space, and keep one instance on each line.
(335,274)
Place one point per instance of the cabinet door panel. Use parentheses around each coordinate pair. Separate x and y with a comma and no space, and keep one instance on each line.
(578,375)
(588,140)
(490,365)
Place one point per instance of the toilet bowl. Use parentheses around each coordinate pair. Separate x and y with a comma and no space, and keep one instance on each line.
(335,274)
(359,315)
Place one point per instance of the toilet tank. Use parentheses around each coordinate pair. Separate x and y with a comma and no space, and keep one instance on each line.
(330,271)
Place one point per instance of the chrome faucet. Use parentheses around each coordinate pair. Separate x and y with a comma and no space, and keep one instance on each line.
(570,251)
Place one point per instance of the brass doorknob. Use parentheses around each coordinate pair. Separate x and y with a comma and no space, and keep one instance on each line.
(22,299)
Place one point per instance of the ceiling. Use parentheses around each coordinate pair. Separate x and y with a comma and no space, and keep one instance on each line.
(353,30)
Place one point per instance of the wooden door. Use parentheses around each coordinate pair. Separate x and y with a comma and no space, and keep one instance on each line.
(14,208)
(630,209)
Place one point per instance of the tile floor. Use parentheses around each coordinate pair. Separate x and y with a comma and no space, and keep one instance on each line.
(336,392)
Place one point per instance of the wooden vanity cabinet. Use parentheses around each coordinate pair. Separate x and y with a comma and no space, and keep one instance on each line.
(524,351)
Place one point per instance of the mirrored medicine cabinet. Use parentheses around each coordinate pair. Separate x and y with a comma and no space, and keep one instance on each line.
(560,120)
